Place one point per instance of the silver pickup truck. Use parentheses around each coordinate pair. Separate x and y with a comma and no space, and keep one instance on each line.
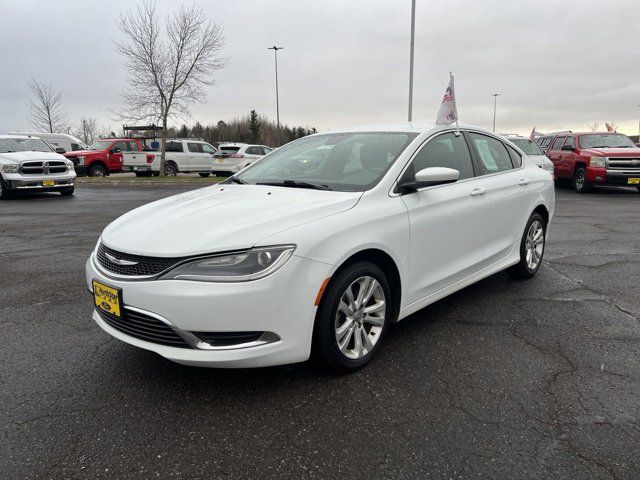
(28,164)
(189,156)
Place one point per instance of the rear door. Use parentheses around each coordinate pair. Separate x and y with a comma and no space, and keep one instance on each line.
(507,191)
(448,222)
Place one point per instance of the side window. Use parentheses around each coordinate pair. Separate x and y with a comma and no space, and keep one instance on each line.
(206,148)
(121,145)
(516,159)
(133,147)
(194,147)
(445,150)
(267,150)
(545,142)
(253,151)
(570,141)
(492,152)
(174,147)
(75,146)
(558,143)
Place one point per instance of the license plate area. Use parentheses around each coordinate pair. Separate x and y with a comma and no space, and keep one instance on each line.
(48,183)
(107,299)
(633,181)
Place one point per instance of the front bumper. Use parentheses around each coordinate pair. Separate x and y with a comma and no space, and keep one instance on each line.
(17,181)
(281,304)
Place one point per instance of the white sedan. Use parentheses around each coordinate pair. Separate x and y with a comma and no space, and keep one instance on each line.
(319,246)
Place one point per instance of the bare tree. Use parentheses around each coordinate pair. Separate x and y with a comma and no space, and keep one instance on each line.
(87,131)
(593,127)
(46,112)
(167,71)
(611,127)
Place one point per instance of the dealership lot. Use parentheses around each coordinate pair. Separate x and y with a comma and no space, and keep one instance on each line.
(502,379)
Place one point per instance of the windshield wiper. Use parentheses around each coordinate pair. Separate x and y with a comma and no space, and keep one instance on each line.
(297,184)
(237,180)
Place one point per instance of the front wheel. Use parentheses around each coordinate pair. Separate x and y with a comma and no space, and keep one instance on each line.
(353,317)
(580,183)
(531,247)
(97,171)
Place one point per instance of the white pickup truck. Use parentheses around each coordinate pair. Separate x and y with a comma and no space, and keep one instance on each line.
(192,156)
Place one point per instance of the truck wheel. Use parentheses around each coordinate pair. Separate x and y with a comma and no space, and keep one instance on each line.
(170,170)
(4,191)
(580,183)
(67,192)
(97,171)
(203,175)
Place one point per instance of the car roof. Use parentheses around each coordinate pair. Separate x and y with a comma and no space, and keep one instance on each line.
(405,127)
(19,136)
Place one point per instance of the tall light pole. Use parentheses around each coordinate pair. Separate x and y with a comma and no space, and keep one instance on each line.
(413,33)
(275,54)
(495,103)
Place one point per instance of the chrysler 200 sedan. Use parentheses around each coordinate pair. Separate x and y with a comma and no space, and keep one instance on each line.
(319,246)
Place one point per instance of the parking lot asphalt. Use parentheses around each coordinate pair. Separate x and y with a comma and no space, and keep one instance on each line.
(504,379)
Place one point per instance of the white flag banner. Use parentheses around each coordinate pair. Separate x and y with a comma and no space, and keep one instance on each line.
(448,112)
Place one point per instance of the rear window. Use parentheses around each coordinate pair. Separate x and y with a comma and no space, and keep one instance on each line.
(174,147)
(527,145)
(229,149)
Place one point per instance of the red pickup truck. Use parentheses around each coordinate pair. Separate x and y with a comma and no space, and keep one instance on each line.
(103,157)
(589,159)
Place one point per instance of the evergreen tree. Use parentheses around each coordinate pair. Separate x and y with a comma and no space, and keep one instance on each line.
(254,126)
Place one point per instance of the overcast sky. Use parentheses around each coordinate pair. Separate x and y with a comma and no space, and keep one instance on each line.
(557,65)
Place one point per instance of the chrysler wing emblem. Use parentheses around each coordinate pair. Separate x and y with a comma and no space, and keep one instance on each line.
(119,261)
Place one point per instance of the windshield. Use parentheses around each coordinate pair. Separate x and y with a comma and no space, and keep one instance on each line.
(606,140)
(339,161)
(8,145)
(100,145)
(527,145)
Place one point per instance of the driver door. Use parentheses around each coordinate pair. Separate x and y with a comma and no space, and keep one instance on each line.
(447,222)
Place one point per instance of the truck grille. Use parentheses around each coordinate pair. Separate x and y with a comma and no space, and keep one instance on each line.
(629,164)
(143,327)
(43,168)
(142,266)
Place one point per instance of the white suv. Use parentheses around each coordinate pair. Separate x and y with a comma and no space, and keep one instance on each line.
(188,156)
(27,163)
(233,157)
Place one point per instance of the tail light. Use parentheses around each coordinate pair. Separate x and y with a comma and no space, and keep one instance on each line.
(150,158)
(236,155)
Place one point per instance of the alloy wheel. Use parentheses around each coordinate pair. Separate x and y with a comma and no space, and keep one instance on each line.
(579,180)
(360,317)
(534,245)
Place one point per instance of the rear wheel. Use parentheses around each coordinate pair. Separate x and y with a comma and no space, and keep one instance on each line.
(203,175)
(97,171)
(580,183)
(531,247)
(170,170)
(67,192)
(353,317)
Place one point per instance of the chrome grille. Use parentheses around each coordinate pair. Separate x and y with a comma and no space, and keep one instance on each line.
(142,266)
(43,168)
(629,164)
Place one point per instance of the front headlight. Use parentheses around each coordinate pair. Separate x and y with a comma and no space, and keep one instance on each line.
(11,168)
(598,161)
(234,267)
(70,165)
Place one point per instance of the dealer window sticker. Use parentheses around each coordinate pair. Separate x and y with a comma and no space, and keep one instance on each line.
(485,154)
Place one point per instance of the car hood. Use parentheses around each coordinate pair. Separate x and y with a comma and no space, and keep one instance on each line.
(18,157)
(612,152)
(76,153)
(220,218)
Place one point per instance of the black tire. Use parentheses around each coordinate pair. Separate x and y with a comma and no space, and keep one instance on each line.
(4,191)
(97,171)
(170,170)
(325,344)
(523,269)
(204,175)
(67,192)
(580,183)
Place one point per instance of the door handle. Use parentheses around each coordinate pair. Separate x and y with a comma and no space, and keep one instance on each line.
(523,182)
(478,191)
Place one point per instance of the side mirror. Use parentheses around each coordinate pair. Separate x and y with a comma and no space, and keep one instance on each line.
(428,177)
(60,150)
(567,148)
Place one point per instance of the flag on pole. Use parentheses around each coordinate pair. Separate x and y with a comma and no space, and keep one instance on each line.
(533,134)
(448,112)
